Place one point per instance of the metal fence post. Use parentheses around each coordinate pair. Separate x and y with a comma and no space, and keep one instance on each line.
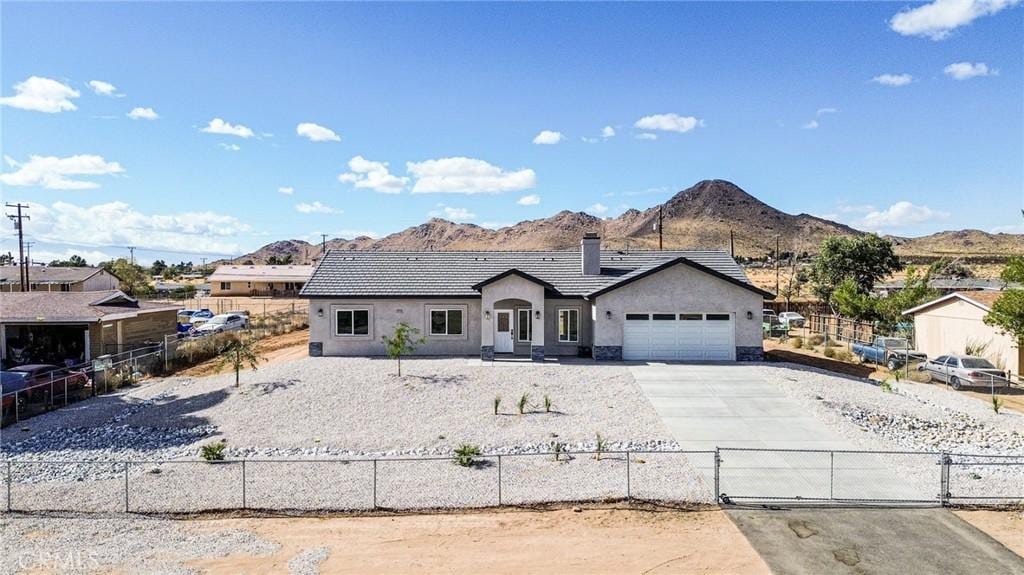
(126,486)
(499,480)
(831,474)
(944,464)
(10,479)
(374,483)
(244,506)
(718,466)
(629,490)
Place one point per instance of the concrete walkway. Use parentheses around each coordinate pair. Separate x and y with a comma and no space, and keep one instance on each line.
(876,541)
(730,406)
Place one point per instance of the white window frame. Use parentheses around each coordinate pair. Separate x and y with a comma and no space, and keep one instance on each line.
(446,310)
(225,286)
(352,309)
(520,332)
(558,328)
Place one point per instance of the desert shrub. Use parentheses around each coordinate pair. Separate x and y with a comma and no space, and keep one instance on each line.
(497,404)
(920,376)
(466,454)
(886,386)
(524,403)
(815,340)
(797,342)
(829,352)
(214,451)
(976,347)
(843,355)
(997,404)
(600,446)
(548,404)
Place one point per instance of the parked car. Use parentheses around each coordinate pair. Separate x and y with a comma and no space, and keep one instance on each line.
(221,323)
(964,370)
(44,381)
(791,319)
(891,351)
(11,382)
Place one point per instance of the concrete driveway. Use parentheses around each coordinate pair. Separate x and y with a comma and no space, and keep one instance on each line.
(731,406)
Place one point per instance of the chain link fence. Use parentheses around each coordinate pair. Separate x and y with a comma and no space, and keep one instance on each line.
(727,475)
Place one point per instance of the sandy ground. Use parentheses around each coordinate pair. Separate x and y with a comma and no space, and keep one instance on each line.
(275,349)
(1006,527)
(563,541)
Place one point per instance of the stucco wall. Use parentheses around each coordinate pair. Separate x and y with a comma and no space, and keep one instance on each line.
(100,282)
(947,328)
(384,315)
(553,346)
(510,288)
(679,289)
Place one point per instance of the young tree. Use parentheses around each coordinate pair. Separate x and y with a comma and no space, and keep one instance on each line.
(238,353)
(402,341)
(133,278)
(1014,271)
(1007,314)
(75,261)
(863,260)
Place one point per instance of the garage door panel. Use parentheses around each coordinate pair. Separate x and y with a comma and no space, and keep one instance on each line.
(683,336)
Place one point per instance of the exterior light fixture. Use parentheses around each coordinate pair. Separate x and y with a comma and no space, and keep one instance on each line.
(750,315)
(487,314)
(320,312)
(538,314)
(608,314)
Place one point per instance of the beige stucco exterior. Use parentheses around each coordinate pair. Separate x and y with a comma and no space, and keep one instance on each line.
(948,326)
(102,280)
(678,289)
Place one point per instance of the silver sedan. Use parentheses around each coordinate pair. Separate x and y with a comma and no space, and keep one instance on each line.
(964,370)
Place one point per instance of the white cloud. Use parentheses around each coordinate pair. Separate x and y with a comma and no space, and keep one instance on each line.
(143,114)
(900,214)
(462,175)
(646,136)
(607,132)
(51,172)
(587,140)
(856,208)
(352,234)
(457,215)
(230,147)
(286,190)
(668,123)
(218,126)
(597,209)
(316,133)
(938,19)
(894,80)
(530,200)
(104,89)
(42,95)
(812,125)
(547,137)
(823,111)
(65,223)
(315,208)
(93,257)
(372,175)
(967,70)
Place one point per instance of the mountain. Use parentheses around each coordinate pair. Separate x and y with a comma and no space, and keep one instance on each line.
(701,216)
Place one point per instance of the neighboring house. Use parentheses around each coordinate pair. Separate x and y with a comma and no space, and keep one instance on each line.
(241,280)
(947,324)
(54,278)
(39,327)
(673,305)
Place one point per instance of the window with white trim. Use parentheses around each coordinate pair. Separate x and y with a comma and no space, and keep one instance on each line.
(525,324)
(349,322)
(568,325)
(446,322)
(225,285)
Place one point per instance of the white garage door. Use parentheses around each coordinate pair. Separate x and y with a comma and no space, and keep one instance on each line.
(678,336)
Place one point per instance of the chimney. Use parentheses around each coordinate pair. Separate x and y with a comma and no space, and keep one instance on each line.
(590,254)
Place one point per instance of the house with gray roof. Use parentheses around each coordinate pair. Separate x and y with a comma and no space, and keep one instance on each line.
(58,279)
(688,305)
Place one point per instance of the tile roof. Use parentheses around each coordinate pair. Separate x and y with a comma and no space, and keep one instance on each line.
(47,274)
(355,273)
(985,298)
(89,306)
(261,273)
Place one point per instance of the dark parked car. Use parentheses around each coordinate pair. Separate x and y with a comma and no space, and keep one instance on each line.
(12,382)
(48,382)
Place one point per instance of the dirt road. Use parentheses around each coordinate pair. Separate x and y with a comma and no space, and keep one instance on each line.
(563,541)
(274,349)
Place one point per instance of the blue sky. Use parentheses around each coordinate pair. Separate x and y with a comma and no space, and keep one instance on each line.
(904,123)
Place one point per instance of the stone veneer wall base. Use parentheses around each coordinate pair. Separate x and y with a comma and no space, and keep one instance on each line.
(608,352)
(537,353)
(316,349)
(749,353)
(487,352)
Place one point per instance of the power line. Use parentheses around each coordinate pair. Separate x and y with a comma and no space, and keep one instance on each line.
(17,219)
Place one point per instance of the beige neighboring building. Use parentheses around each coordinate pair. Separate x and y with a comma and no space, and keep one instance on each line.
(54,278)
(259,280)
(946,325)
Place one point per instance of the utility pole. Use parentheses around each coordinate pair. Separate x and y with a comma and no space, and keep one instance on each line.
(732,244)
(776,263)
(323,243)
(131,250)
(22,273)
(661,225)
(28,263)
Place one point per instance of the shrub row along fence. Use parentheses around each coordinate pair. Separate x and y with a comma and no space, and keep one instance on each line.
(669,477)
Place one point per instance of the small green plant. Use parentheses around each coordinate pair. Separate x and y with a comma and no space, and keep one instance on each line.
(997,403)
(898,375)
(466,454)
(239,352)
(497,404)
(796,342)
(976,347)
(214,451)
(600,446)
(886,386)
(402,341)
(548,404)
(829,352)
(524,403)
(557,447)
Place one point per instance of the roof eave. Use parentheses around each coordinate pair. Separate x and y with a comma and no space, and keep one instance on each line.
(687,262)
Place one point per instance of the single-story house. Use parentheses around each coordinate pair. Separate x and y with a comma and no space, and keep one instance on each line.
(946,325)
(259,280)
(55,278)
(54,327)
(610,305)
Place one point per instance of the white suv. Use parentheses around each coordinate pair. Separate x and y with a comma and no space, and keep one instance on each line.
(221,323)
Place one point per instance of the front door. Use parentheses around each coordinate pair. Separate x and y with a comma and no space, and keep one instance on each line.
(503,331)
